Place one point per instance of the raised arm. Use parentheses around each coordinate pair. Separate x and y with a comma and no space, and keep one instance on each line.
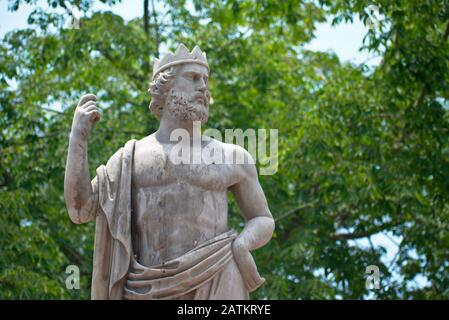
(78,192)
(259,225)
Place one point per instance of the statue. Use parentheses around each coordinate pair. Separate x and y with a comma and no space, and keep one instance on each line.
(161,228)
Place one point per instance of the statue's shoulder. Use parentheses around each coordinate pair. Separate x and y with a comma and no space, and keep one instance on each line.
(146,144)
(240,154)
(218,144)
(116,158)
(233,153)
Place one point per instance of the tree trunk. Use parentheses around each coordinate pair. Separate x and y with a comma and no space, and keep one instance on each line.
(146,29)
(146,16)
(156,29)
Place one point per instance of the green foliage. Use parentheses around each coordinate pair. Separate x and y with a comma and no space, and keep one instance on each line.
(362,151)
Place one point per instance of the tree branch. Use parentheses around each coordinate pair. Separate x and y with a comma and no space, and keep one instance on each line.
(50,134)
(52,110)
(363,234)
(294,211)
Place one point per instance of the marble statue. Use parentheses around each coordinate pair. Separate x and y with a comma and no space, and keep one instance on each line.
(161,228)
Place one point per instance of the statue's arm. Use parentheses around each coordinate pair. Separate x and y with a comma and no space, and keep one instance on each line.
(253,205)
(79,192)
(259,224)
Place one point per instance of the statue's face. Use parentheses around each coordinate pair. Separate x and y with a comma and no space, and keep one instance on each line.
(189,96)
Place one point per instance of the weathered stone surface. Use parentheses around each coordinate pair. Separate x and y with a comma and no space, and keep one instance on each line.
(161,226)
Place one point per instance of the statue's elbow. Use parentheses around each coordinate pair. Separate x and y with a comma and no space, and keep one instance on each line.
(266,226)
(81,211)
(270,226)
(78,216)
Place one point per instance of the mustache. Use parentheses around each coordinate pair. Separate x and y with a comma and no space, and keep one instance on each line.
(185,97)
(205,97)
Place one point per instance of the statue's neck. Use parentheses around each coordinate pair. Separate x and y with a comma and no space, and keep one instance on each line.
(167,126)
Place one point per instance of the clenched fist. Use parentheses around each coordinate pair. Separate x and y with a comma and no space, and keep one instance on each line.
(86,114)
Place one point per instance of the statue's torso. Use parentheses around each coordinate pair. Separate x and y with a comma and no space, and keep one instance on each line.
(176,207)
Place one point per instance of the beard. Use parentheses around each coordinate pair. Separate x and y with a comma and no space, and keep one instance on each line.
(193,107)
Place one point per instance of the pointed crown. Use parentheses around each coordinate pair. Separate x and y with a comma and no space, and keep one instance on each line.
(181,56)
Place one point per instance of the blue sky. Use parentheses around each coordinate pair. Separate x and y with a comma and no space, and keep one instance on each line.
(344,40)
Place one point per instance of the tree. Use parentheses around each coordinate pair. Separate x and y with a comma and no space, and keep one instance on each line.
(361,151)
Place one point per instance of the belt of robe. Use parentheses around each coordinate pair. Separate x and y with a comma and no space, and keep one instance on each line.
(181,275)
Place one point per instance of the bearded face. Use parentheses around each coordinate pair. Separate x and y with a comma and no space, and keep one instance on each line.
(187,98)
(192,106)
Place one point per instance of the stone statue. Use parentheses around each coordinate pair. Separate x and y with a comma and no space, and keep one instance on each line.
(161,228)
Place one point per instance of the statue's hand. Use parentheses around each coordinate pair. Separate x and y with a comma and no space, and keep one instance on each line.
(246,265)
(86,114)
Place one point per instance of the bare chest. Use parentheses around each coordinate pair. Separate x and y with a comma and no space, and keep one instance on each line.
(176,206)
(154,168)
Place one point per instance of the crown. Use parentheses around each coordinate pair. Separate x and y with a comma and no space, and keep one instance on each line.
(181,56)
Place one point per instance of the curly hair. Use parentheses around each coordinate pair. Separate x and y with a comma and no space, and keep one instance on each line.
(159,88)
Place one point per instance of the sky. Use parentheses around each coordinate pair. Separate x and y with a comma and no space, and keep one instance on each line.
(344,40)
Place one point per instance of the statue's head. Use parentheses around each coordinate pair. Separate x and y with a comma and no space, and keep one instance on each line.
(180,86)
